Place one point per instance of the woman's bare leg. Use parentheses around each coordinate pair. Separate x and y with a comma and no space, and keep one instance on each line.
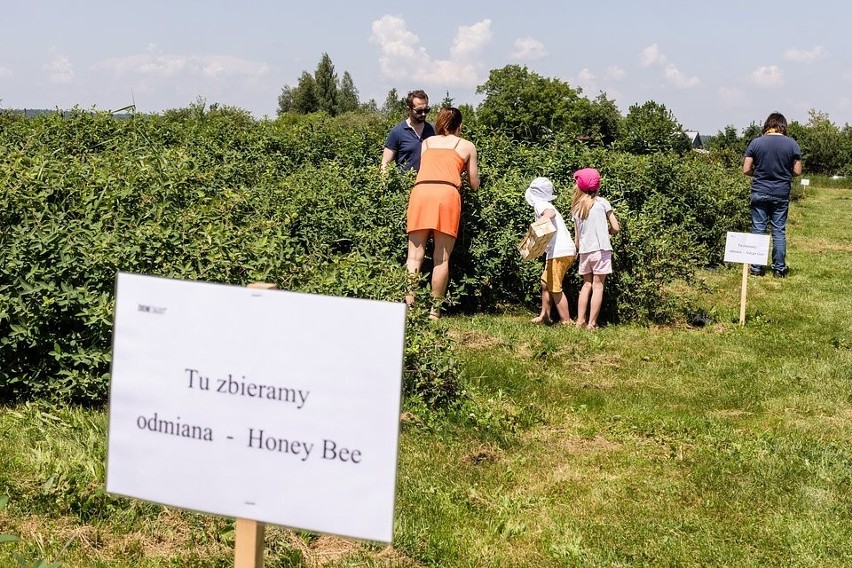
(416,253)
(444,244)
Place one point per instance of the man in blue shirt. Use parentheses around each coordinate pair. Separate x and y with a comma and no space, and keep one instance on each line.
(772,160)
(403,142)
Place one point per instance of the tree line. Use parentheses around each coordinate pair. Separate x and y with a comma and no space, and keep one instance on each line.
(527,107)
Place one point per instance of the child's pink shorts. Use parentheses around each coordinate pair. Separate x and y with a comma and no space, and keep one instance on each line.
(597,262)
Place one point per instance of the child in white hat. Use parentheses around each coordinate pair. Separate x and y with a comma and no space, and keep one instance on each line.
(560,252)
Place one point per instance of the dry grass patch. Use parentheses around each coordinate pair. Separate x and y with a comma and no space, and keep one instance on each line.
(326,551)
(482,455)
(596,363)
(170,537)
(474,340)
(822,245)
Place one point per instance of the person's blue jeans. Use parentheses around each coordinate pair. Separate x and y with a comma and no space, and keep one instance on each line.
(772,211)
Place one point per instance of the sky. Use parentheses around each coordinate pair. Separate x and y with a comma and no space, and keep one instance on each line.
(711,63)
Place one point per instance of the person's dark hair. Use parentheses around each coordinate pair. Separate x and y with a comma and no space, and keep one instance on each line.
(418,94)
(775,122)
(448,121)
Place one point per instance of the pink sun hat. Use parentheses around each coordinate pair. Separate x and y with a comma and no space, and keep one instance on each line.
(588,179)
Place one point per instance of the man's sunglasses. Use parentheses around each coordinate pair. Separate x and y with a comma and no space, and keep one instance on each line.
(424,110)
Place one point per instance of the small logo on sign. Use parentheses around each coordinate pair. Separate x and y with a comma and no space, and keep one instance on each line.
(152,309)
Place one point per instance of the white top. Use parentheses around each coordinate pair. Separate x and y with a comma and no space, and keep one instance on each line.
(540,194)
(562,244)
(594,231)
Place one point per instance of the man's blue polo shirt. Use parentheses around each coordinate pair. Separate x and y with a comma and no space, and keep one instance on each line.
(406,143)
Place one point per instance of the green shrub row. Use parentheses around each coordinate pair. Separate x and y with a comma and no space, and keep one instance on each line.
(299,202)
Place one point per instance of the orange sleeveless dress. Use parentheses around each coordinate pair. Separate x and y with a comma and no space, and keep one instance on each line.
(435,201)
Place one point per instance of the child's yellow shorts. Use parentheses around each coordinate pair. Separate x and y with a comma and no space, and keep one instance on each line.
(554,273)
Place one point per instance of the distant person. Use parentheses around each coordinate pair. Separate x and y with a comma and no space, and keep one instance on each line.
(561,252)
(772,160)
(434,207)
(404,141)
(594,222)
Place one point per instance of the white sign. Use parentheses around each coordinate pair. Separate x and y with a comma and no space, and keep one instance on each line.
(806,181)
(266,405)
(747,248)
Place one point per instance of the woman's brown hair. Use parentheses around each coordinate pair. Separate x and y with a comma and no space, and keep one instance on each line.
(448,121)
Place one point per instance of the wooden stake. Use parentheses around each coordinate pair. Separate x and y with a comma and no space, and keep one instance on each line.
(743,294)
(248,545)
(248,548)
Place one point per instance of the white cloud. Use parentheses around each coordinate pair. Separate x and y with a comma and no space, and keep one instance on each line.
(402,56)
(158,65)
(802,56)
(587,80)
(677,78)
(401,50)
(60,70)
(470,40)
(767,76)
(731,96)
(528,49)
(651,56)
(614,73)
(5,72)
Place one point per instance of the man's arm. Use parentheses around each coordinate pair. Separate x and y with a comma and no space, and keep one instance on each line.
(797,168)
(748,165)
(388,156)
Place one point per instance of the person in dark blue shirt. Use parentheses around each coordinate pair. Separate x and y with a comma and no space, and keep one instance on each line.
(403,142)
(772,160)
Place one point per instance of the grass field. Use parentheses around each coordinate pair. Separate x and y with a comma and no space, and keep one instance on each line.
(718,445)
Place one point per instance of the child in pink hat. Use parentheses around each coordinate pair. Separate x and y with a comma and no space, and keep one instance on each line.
(594,222)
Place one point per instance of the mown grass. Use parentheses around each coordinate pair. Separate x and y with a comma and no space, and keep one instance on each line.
(718,445)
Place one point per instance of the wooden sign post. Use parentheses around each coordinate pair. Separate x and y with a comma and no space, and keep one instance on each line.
(248,542)
(248,548)
(743,294)
(746,248)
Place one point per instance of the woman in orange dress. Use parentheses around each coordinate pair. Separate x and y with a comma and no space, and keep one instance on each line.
(434,207)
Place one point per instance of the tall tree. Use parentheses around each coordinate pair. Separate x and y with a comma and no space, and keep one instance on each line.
(447,101)
(326,81)
(651,127)
(394,105)
(728,147)
(600,119)
(347,99)
(823,146)
(320,91)
(305,99)
(526,106)
(285,99)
